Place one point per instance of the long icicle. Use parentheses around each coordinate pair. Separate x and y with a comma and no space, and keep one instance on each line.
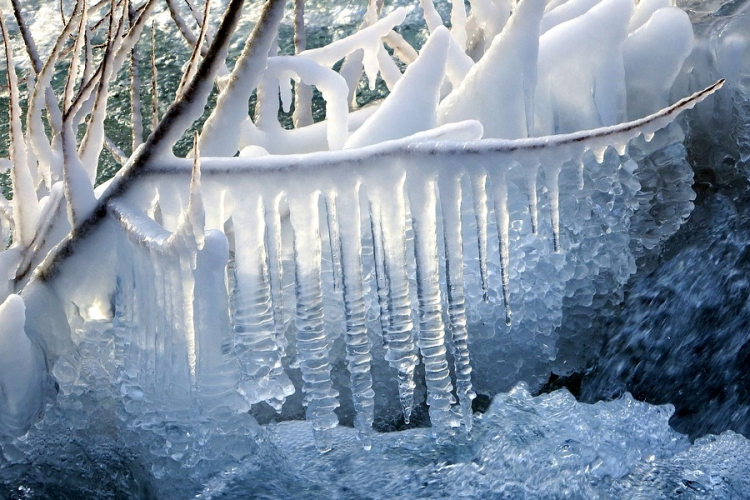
(303,93)
(499,180)
(313,344)
(389,214)
(357,343)
(381,279)
(276,266)
(479,195)
(451,195)
(334,238)
(423,204)
(552,176)
(256,345)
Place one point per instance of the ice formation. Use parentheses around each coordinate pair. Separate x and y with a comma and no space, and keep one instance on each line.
(448,239)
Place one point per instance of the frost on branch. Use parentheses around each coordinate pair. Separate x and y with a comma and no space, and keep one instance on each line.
(464,208)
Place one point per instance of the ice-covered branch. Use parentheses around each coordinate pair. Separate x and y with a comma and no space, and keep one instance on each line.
(25,204)
(221,132)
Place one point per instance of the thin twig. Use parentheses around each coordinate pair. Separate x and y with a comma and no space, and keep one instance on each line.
(74,63)
(118,154)
(135,91)
(192,64)
(154,82)
(28,40)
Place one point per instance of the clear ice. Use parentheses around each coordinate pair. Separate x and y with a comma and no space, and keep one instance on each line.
(392,265)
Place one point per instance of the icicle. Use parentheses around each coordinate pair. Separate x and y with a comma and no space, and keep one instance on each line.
(334,239)
(423,204)
(149,306)
(366,39)
(186,260)
(163,305)
(285,94)
(357,343)
(599,152)
(621,148)
(303,93)
(276,267)
(193,220)
(531,177)
(257,350)
(217,368)
(552,174)
(124,285)
(177,328)
(22,369)
(389,214)
(498,177)
(381,280)
(479,194)
(313,345)
(581,165)
(450,200)
(649,136)
(431,16)
(389,70)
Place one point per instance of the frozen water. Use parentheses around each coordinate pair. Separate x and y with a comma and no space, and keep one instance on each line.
(542,447)
(380,286)
(687,344)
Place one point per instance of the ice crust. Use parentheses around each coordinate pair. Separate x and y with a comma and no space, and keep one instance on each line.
(399,277)
(542,447)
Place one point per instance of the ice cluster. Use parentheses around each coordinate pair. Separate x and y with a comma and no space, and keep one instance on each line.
(456,237)
(417,201)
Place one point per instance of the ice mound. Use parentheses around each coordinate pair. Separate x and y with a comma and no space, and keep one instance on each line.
(90,446)
(548,447)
